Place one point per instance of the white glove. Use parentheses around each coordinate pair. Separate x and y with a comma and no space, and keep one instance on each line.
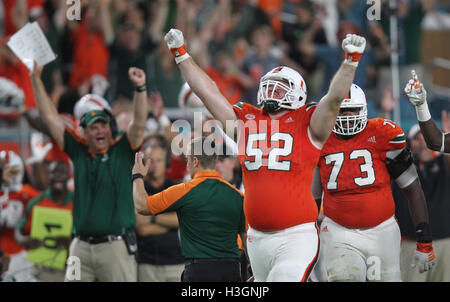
(417,96)
(175,41)
(38,149)
(10,216)
(424,257)
(353,46)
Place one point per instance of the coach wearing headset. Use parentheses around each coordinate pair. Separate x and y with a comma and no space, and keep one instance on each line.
(103,210)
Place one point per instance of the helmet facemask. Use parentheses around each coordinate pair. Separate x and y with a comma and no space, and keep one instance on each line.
(351,124)
(355,122)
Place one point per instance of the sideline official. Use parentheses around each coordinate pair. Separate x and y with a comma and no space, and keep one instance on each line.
(210,213)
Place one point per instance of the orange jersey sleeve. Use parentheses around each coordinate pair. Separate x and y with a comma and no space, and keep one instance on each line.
(392,135)
(354,176)
(7,240)
(278,160)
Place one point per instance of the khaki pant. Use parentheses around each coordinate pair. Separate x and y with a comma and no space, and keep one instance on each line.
(46,274)
(104,262)
(160,273)
(438,273)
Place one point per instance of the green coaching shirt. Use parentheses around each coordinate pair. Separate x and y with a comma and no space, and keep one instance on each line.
(210,213)
(103,202)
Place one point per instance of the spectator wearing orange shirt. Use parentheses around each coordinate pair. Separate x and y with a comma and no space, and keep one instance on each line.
(90,53)
(14,70)
(14,196)
(227,77)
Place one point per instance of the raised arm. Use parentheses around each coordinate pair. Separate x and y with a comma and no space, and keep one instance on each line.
(200,83)
(436,139)
(135,131)
(47,109)
(139,193)
(324,117)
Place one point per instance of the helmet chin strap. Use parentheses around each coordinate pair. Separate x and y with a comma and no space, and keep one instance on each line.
(271,106)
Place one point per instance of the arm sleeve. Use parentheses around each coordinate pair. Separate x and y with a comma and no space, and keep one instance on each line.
(73,143)
(392,135)
(26,215)
(168,198)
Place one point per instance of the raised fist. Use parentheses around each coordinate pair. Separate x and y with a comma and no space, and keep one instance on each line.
(353,46)
(175,42)
(174,38)
(137,76)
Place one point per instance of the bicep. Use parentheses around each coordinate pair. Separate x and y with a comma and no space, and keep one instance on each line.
(219,107)
(401,168)
(323,120)
(206,89)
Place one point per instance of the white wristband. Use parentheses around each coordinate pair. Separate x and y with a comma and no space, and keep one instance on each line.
(164,121)
(180,59)
(423,114)
(350,62)
(443,143)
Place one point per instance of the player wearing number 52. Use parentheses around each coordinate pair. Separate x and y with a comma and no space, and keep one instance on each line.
(277,164)
(356,166)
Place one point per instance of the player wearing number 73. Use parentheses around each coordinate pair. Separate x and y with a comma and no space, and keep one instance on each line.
(278,162)
(356,166)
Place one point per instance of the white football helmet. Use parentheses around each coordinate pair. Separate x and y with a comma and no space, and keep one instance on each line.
(11,96)
(12,159)
(190,103)
(88,103)
(352,124)
(286,79)
(187,98)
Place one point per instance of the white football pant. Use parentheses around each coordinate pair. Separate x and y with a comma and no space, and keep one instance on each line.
(288,255)
(359,255)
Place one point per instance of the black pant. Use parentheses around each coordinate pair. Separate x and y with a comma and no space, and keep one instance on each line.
(212,270)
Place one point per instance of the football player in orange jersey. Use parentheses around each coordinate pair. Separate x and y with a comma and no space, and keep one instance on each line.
(359,235)
(279,146)
(14,196)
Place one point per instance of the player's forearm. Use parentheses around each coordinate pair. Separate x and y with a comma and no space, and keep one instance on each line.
(416,202)
(324,117)
(205,88)
(432,134)
(340,86)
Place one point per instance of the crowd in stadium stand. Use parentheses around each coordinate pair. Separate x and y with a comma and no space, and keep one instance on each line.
(235,42)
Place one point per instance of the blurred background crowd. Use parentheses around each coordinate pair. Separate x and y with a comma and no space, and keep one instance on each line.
(234,41)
